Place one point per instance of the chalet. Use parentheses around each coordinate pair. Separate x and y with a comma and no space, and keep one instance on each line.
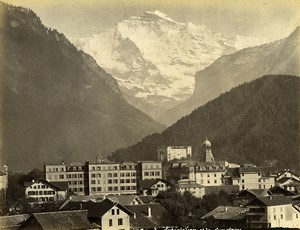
(273,212)
(105,213)
(194,188)
(153,186)
(226,217)
(43,191)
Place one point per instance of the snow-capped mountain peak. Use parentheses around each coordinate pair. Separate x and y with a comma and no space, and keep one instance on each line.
(154,58)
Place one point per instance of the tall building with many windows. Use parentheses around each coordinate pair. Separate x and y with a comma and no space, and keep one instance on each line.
(102,178)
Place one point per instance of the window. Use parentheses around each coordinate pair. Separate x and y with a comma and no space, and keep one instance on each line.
(120,221)
(118,211)
(109,175)
(146,173)
(109,181)
(116,188)
(133,174)
(157,173)
(110,223)
(110,189)
(243,180)
(208,175)
(215,175)
(151,173)
(98,175)
(122,174)
(132,180)
(69,176)
(75,182)
(113,212)
(296,216)
(127,174)
(122,181)
(208,182)
(115,174)
(127,180)
(93,175)
(99,189)
(215,181)
(61,177)
(281,216)
(93,181)
(80,182)
(115,181)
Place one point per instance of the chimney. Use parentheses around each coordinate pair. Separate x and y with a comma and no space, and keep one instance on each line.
(134,215)
(226,209)
(270,197)
(149,212)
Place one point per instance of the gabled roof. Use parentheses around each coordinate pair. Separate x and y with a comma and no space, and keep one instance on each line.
(125,199)
(285,179)
(142,219)
(61,220)
(226,213)
(289,171)
(60,186)
(271,200)
(95,209)
(280,191)
(147,184)
(12,221)
(147,199)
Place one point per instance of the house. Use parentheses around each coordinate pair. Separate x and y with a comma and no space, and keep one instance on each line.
(173,152)
(76,219)
(287,174)
(12,222)
(146,216)
(226,217)
(293,187)
(253,177)
(247,195)
(153,186)
(43,191)
(194,188)
(273,212)
(105,213)
(204,173)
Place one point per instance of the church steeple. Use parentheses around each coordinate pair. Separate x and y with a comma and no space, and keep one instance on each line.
(208,156)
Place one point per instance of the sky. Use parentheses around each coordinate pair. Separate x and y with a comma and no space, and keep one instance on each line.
(273,19)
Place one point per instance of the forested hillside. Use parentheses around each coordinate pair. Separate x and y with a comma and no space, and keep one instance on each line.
(255,122)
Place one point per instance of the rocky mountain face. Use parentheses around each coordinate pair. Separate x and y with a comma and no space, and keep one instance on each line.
(56,102)
(280,57)
(256,122)
(155,58)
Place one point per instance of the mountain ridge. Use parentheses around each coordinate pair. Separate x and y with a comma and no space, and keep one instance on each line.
(258,118)
(57,103)
(279,57)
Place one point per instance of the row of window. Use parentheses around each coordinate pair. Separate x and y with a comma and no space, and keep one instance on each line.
(77,189)
(98,175)
(32,193)
(151,173)
(75,182)
(120,222)
(208,181)
(115,188)
(115,167)
(75,175)
(38,186)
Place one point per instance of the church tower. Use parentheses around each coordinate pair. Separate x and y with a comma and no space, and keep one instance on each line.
(208,156)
